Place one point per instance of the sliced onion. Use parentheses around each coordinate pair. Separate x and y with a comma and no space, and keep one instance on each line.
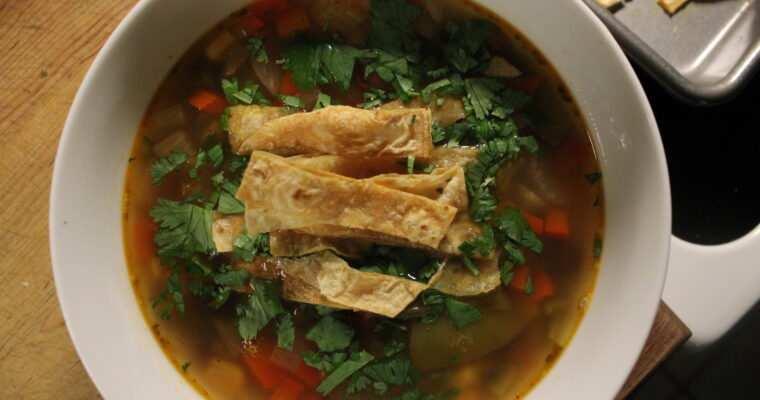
(177,141)
(268,74)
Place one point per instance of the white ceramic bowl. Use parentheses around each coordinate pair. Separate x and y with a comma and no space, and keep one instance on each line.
(108,330)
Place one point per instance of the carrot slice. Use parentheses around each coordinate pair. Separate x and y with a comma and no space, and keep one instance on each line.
(311,376)
(287,86)
(260,7)
(142,233)
(288,389)
(251,23)
(536,224)
(208,102)
(527,83)
(520,278)
(543,286)
(556,223)
(263,369)
(309,395)
(291,20)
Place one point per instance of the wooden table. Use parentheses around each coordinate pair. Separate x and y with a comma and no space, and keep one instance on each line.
(45,49)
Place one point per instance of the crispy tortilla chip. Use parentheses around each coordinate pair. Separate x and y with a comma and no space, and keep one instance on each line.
(445,115)
(443,157)
(352,167)
(339,130)
(455,279)
(244,120)
(225,229)
(289,197)
(461,230)
(350,288)
(294,244)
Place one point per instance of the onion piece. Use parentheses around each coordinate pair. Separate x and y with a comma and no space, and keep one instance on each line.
(217,48)
(177,141)
(268,74)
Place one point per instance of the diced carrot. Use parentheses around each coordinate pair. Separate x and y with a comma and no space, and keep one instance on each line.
(287,86)
(527,83)
(543,286)
(263,369)
(251,23)
(143,231)
(311,376)
(285,359)
(208,102)
(291,20)
(260,7)
(520,278)
(537,224)
(556,223)
(288,389)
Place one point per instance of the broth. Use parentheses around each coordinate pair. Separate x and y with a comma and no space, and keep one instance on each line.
(525,322)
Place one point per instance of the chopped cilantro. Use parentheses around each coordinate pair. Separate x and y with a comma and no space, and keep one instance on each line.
(323,100)
(373,98)
(529,291)
(246,247)
(399,261)
(461,314)
(185,366)
(183,228)
(345,370)
(229,277)
(410,164)
(213,156)
(171,298)
(261,307)
(318,62)
(593,177)
(131,159)
(254,45)
(453,358)
(291,104)
(43,74)
(390,23)
(238,163)
(330,334)
(470,265)
(506,273)
(395,371)
(598,245)
(224,120)
(466,50)
(323,361)
(250,94)
(358,383)
(164,165)
(511,222)
(393,347)
(286,331)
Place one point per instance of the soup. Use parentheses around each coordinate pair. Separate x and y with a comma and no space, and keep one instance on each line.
(363,199)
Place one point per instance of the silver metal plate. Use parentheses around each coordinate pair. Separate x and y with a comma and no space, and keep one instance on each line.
(704,54)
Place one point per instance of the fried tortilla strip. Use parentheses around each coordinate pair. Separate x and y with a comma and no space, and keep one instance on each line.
(672,6)
(339,130)
(290,198)
(609,3)
(443,157)
(463,229)
(445,115)
(455,279)
(350,288)
(352,167)
(244,120)
(292,243)
(225,229)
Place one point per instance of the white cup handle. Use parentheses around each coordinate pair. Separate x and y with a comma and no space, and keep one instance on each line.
(711,287)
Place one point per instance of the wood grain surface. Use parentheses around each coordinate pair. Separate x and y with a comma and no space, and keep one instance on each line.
(45,50)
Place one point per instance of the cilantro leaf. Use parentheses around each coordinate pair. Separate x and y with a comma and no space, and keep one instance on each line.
(229,277)
(373,98)
(171,298)
(323,100)
(511,222)
(390,22)
(393,347)
(466,50)
(506,273)
(461,314)
(529,291)
(593,177)
(323,361)
(318,62)
(246,247)
(238,163)
(213,156)
(254,45)
(250,94)
(286,332)
(261,307)
(598,245)
(183,228)
(358,383)
(330,334)
(396,371)
(164,165)
(344,371)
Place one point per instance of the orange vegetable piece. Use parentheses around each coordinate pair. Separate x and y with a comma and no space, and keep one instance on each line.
(536,224)
(291,20)
(288,389)
(556,223)
(520,278)
(311,376)
(267,373)
(287,86)
(208,102)
(543,286)
(309,395)
(251,23)
(261,7)
(143,231)
(527,83)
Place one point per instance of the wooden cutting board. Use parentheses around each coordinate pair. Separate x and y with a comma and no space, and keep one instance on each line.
(46,48)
